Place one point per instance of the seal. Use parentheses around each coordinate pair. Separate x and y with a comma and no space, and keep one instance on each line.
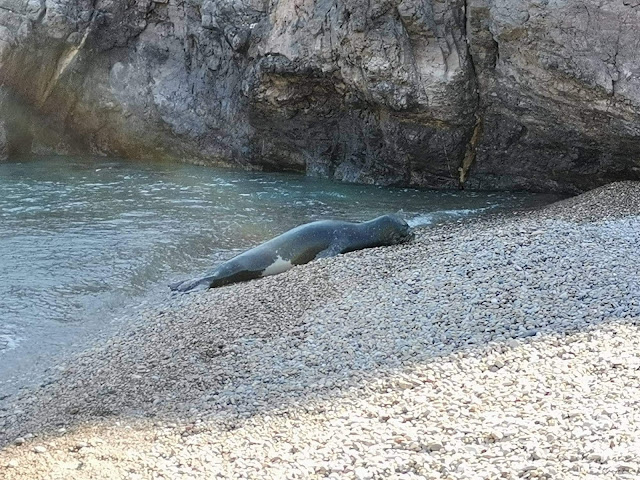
(322,239)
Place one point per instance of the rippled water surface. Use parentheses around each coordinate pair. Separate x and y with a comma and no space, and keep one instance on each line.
(82,238)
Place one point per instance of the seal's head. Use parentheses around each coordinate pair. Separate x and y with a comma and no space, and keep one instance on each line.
(393,229)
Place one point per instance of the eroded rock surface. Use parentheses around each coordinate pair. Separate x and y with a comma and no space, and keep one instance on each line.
(536,94)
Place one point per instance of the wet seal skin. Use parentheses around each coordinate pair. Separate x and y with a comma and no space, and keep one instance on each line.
(322,239)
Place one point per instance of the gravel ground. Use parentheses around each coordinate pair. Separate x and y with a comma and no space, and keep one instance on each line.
(502,347)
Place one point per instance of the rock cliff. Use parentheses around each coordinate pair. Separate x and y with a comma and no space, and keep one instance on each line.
(508,94)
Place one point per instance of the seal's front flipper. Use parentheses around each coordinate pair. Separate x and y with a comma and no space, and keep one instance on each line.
(332,251)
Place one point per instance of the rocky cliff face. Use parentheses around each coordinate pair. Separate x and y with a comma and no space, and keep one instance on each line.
(535,94)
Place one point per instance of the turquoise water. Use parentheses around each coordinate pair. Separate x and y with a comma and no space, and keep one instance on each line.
(83,238)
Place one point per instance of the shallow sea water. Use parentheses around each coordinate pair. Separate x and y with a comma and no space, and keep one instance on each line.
(85,239)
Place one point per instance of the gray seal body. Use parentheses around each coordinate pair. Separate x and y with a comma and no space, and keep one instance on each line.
(300,245)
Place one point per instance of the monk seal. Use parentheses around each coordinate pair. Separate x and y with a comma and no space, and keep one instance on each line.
(325,238)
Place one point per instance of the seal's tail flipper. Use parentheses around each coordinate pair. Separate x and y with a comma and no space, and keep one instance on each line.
(194,285)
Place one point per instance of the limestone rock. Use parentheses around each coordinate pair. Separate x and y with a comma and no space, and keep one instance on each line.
(542,95)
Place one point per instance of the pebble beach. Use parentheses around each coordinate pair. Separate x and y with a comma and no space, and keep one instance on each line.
(500,347)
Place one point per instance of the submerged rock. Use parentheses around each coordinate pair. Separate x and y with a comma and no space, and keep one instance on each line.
(492,94)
